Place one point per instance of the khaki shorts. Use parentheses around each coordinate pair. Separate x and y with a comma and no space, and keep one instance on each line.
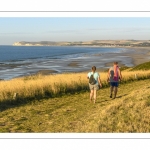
(93,87)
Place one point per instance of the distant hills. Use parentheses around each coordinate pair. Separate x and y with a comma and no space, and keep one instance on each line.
(111,43)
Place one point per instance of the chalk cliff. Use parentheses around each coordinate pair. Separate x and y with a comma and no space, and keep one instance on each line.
(111,43)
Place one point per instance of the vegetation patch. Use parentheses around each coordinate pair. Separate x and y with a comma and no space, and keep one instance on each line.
(74,113)
(144,66)
(60,103)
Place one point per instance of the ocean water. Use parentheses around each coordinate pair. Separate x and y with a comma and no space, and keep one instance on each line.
(18,61)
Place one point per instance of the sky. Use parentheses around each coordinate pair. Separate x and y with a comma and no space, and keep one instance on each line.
(31,29)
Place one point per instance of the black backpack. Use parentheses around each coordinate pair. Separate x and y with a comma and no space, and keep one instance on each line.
(92,80)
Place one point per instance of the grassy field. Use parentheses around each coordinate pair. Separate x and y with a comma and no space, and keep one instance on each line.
(39,87)
(74,113)
(129,112)
(60,103)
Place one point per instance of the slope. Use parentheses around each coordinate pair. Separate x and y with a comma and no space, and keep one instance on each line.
(73,113)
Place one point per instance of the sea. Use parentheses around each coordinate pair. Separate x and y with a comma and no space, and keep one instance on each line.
(17,61)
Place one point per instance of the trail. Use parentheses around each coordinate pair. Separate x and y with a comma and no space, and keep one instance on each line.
(71,113)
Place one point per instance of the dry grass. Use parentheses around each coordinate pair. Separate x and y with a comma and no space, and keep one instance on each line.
(73,113)
(130,114)
(37,87)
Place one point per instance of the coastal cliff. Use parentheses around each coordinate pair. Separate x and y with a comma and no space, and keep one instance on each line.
(111,43)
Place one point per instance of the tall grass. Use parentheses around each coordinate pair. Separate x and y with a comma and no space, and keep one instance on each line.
(39,86)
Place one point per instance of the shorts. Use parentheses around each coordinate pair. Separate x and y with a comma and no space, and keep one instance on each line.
(94,87)
(116,84)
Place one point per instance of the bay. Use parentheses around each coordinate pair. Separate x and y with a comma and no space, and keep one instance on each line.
(16,61)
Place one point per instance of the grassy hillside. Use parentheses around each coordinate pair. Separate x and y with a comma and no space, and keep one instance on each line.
(60,103)
(144,66)
(129,112)
(132,43)
(39,87)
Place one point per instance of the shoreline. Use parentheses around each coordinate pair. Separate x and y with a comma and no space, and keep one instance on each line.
(136,56)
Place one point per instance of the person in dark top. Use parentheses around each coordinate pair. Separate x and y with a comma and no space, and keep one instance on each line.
(114,75)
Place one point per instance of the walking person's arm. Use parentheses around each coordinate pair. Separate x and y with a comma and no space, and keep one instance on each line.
(99,81)
(108,76)
(87,76)
(120,75)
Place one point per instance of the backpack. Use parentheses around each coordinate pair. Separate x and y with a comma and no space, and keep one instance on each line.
(92,79)
(116,75)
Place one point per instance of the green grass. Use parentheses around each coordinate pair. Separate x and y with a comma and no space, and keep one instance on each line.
(125,68)
(74,113)
(143,66)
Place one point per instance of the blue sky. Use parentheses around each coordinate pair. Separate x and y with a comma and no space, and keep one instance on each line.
(72,29)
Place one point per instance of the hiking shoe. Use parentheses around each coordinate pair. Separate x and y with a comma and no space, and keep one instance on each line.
(110,95)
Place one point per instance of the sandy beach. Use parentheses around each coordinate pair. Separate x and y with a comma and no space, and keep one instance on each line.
(140,55)
(130,57)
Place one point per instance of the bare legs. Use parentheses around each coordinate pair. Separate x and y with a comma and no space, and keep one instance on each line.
(115,89)
(111,90)
(93,95)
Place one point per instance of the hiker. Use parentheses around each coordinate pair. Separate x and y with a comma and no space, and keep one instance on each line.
(114,75)
(94,83)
